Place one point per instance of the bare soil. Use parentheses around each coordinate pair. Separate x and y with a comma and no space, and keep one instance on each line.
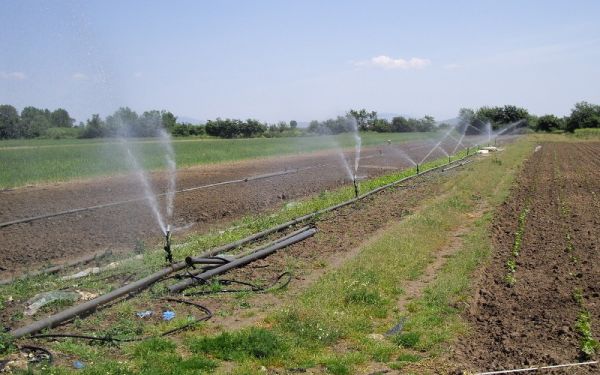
(532,322)
(54,240)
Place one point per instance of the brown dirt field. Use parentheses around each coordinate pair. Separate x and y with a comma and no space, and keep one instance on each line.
(40,243)
(340,235)
(532,323)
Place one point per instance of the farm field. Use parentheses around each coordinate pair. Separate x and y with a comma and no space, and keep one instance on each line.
(339,269)
(26,162)
(119,228)
(534,311)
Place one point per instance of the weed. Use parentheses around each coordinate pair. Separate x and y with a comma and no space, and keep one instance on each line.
(5,342)
(253,342)
(589,345)
(362,296)
(511,264)
(510,279)
(578,296)
(407,339)
(337,367)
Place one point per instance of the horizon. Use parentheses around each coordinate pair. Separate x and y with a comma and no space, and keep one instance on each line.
(298,61)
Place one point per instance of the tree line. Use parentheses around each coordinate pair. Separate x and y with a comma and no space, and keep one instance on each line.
(33,122)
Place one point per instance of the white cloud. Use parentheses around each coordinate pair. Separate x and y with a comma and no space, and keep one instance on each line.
(387,62)
(17,76)
(79,76)
(138,75)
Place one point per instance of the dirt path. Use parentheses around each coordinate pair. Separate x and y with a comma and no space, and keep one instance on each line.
(54,240)
(533,321)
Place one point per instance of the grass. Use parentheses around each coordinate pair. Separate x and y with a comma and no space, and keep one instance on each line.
(588,133)
(511,264)
(329,324)
(42,161)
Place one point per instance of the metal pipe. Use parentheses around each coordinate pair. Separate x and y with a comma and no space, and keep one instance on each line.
(241,261)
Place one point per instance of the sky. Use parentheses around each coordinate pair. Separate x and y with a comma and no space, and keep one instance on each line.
(298,60)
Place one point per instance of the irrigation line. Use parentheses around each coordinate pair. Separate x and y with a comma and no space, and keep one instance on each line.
(538,368)
(262,253)
(134,200)
(145,282)
(138,286)
(186,283)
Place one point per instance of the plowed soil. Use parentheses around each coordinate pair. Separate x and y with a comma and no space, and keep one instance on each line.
(54,240)
(532,322)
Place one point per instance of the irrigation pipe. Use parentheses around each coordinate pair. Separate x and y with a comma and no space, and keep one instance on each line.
(538,368)
(135,287)
(204,276)
(145,282)
(295,236)
(134,200)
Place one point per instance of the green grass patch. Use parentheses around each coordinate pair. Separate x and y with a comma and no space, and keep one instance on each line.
(587,133)
(253,342)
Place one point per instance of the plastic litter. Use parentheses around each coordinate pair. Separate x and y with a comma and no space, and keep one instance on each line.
(144,314)
(168,315)
(78,365)
(42,299)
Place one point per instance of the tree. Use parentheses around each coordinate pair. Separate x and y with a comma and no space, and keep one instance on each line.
(9,122)
(548,123)
(34,122)
(123,122)
(94,128)
(168,120)
(293,124)
(364,119)
(60,119)
(584,115)
(401,124)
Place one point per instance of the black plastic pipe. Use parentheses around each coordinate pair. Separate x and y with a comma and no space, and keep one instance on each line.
(204,276)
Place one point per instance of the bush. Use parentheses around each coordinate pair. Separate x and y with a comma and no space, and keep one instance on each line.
(62,133)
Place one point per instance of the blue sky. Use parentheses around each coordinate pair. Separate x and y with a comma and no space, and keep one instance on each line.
(303,60)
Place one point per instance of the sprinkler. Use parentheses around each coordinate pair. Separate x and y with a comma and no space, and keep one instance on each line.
(169,255)
(417,168)
(449,159)
(467,150)
(355,187)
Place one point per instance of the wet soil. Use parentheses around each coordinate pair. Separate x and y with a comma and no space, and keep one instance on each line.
(532,323)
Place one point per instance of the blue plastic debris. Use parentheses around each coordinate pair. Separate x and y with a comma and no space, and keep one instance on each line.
(168,315)
(78,365)
(144,314)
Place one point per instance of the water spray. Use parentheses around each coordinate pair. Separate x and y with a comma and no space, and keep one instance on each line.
(169,255)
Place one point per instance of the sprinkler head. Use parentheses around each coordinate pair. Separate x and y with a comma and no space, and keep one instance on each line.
(355,187)
(169,254)
(449,159)
(417,168)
